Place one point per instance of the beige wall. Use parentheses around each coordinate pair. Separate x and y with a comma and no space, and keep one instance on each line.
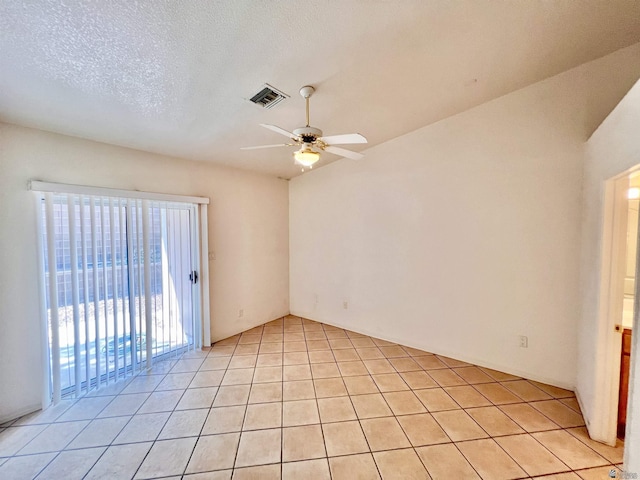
(461,236)
(248,231)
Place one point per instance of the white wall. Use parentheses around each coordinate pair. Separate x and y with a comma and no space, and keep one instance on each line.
(461,236)
(248,231)
(612,150)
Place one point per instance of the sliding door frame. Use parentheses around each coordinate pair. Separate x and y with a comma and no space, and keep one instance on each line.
(199,260)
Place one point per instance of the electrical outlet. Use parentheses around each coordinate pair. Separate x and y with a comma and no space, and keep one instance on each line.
(212,256)
(524,341)
(240,313)
(345,304)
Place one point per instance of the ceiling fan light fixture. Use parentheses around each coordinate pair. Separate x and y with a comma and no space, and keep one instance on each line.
(306,156)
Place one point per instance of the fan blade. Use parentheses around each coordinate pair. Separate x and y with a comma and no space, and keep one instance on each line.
(268,146)
(343,152)
(344,139)
(279,130)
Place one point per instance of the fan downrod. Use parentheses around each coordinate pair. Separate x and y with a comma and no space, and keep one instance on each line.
(306,93)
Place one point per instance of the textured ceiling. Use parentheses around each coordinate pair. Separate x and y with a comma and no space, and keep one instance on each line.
(173,77)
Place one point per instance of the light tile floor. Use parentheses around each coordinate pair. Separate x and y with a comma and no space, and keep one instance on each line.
(296,399)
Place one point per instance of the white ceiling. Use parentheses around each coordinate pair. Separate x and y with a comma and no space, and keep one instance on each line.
(173,77)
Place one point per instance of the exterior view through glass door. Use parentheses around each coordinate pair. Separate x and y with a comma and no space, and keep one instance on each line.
(120,283)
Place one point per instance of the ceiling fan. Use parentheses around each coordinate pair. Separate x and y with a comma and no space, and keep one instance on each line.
(311,141)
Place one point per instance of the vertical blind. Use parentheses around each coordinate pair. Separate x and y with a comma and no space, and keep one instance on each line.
(119,286)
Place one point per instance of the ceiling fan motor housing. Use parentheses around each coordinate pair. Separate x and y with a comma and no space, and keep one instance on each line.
(308,134)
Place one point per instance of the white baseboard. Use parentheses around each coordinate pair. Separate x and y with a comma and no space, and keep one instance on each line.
(451,354)
(20,413)
(245,328)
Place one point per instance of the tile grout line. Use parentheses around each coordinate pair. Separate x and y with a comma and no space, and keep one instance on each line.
(358,419)
(195,445)
(282,406)
(237,449)
(153,442)
(324,441)
(155,390)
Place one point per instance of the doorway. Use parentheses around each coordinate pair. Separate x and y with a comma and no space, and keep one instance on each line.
(120,284)
(625,325)
(621,242)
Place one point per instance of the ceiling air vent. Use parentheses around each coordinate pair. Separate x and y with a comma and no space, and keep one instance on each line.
(268,97)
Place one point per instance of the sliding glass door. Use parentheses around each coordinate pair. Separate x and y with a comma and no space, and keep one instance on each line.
(120,283)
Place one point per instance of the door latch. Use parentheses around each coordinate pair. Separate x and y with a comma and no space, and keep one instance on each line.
(193,276)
